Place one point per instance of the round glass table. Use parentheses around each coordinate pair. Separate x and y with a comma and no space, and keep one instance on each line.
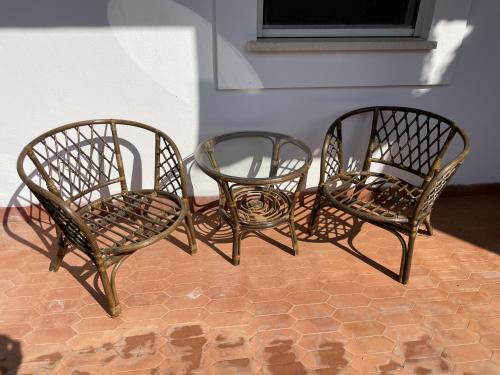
(260,176)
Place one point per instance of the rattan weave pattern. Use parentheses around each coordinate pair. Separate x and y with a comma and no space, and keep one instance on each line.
(432,191)
(77,159)
(87,195)
(333,153)
(169,176)
(68,226)
(375,196)
(256,205)
(406,139)
(409,140)
(127,219)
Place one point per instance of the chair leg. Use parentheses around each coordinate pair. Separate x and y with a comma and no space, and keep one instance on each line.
(428,225)
(407,258)
(236,245)
(313,218)
(189,225)
(62,249)
(293,235)
(109,291)
(302,199)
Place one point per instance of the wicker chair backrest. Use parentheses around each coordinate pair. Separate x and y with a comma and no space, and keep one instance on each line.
(409,139)
(79,158)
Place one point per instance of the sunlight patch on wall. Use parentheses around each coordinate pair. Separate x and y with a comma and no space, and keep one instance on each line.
(451,35)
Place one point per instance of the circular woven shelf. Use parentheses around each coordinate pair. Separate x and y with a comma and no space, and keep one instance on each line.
(258,205)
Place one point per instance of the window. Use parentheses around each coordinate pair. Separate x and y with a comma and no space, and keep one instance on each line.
(344,18)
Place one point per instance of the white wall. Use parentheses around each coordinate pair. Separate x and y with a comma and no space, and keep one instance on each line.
(153,61)
(236,24)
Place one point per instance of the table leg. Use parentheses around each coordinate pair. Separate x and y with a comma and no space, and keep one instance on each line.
(236,245)
(295,244)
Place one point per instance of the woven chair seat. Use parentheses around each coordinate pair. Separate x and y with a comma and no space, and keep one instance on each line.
(80,181)
(411,142)
(373,196)
(126,222)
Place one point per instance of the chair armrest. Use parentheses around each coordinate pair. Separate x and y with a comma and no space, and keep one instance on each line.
(433,189)
(331,155)
(170,174)
(68,221)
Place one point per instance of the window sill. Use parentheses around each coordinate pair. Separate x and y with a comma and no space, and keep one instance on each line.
(339,44)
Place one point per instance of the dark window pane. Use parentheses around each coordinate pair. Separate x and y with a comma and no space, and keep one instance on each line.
(340,12)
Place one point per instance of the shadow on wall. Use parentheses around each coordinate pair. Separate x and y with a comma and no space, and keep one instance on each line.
(209,103)
(10,355)
(199,18)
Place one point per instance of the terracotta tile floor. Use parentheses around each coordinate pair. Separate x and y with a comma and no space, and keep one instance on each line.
(329,310)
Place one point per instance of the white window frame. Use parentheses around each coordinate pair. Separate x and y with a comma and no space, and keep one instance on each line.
(421,30)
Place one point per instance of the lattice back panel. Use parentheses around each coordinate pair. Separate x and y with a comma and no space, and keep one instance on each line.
(169,176)
(409,140)
(431,195)
(78,159)
(332,157)
(71,231)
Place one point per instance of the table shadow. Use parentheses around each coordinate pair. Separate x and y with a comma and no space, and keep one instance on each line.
(334,226)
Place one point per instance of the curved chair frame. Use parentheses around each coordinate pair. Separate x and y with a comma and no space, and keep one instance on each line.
(408,139)
(84,158)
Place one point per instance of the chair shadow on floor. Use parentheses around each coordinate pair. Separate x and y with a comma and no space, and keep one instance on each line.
(45,243)
(205,224)
(334,226)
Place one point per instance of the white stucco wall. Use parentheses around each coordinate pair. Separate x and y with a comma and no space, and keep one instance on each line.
(158,62)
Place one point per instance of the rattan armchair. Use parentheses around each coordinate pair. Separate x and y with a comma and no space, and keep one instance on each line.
(407,142)
(80,180)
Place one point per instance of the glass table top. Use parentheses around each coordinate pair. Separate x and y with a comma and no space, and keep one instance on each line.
(253,157)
